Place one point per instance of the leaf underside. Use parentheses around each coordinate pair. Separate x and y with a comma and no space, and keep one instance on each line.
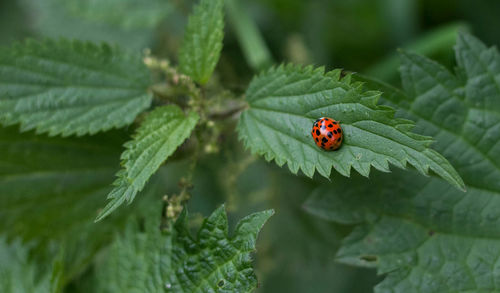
(176,262)
(70,87)
(284,103)
(159,135)
(423,234)
(202,43)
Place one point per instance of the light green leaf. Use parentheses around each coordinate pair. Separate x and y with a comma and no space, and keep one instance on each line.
(176,262)
(285,101)
(163,130)
(202,43)
(18,274)
(71,87)
(423,234)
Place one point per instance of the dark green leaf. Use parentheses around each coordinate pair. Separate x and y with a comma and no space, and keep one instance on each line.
(176,262)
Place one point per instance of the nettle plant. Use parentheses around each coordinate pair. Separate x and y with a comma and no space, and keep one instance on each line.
(421,225)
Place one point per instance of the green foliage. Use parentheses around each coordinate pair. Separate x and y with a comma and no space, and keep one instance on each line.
(18,274)
(65,172)
(163,130)
(129,14)
(285,101)
(51,189)
(202,41)
(127,24)
(176,262)
(70,87)
(421,233)
(425,235)
(251,41)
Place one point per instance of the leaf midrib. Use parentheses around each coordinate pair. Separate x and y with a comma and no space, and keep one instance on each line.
(101,102)
(101,70)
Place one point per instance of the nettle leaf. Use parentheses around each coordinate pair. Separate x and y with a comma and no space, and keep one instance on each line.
(423,234)
(284,103)
(159,135)
(19,274)
(123,25)
(51,189)
(177,262)
(202,43)
(129,14)
(39,175)
(71,87)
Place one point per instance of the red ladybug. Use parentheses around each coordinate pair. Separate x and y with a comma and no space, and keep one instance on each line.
(327,133)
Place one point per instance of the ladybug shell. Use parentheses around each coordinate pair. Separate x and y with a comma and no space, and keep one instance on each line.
(327,133)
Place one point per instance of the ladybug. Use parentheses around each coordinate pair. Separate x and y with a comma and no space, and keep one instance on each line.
(327,133)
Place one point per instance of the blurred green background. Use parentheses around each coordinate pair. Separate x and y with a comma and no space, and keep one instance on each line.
(295,250)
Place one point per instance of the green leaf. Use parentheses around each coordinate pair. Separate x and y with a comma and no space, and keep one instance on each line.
(202,43)
(39,175)
(128,14)
(285,101)
(58,183)
(71,87)
(127,25)
(249,37)
(51,189)
(163,130)
(434,42)
(176,262)
(17,273)
(423,234)
(461,112)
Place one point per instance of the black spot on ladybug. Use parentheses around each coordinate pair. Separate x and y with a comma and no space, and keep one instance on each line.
(317,139)
(331,147)
(339,139)
(330,134)
(335,131)
(339,130)
(317,132)
(317,120)
(334,122)
(330,125)
(324,140)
